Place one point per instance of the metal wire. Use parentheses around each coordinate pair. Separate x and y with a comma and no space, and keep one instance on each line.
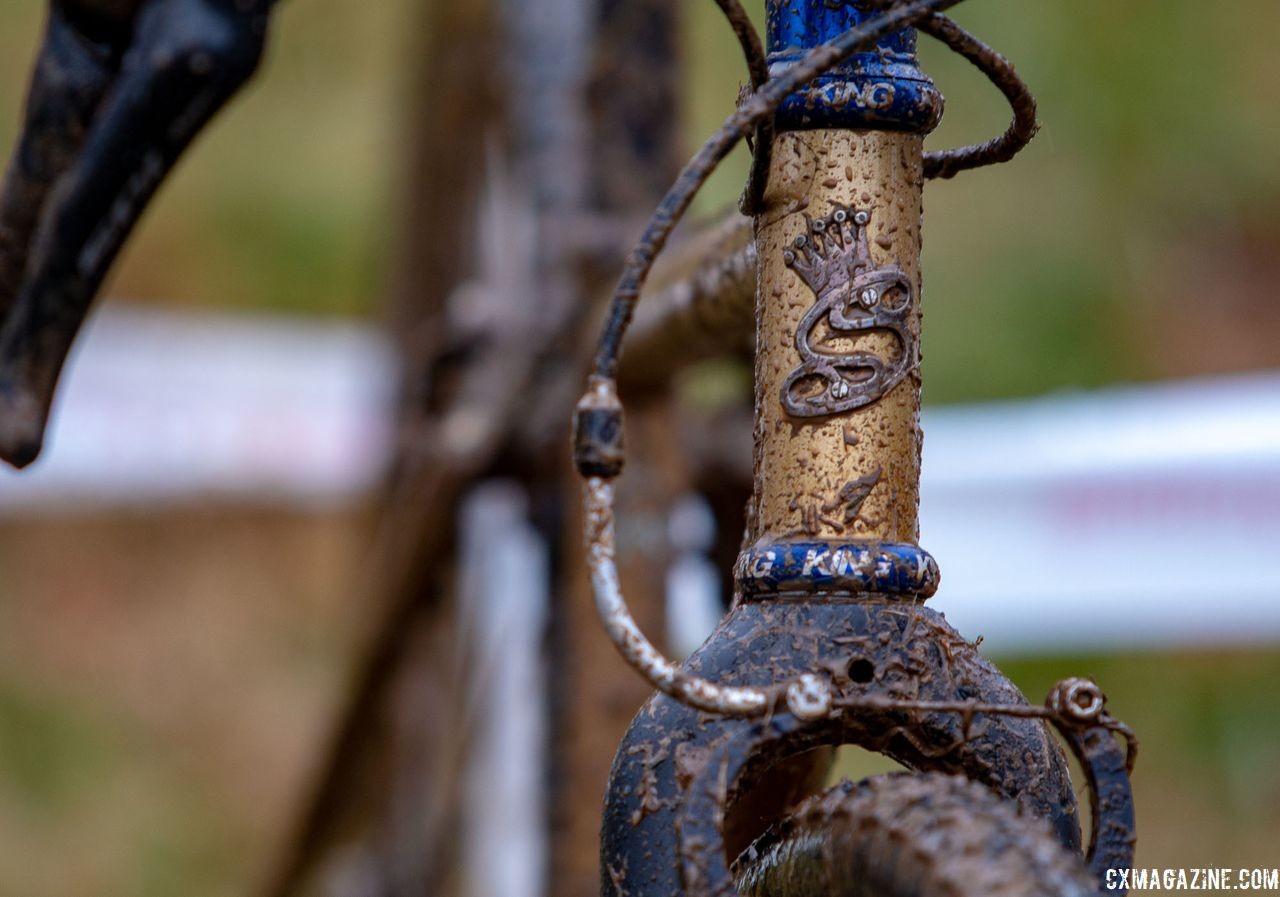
(1001,73)
(758,67)
(938,164)
(748,39)
(755,109)
(807,696)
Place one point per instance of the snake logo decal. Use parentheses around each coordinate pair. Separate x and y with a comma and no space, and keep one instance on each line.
(854,296)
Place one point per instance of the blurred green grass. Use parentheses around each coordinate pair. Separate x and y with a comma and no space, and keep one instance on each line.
(164,683)
(71,775)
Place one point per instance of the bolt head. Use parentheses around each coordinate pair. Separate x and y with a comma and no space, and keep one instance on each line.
(809,698)
(1079,699)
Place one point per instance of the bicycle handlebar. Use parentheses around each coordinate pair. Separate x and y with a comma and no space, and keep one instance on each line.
(118,93)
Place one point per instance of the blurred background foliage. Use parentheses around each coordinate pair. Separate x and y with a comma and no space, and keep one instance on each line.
(163,682)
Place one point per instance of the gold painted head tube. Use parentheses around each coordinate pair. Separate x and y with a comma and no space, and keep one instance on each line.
(838,339)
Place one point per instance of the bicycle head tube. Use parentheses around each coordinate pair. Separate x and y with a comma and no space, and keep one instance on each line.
(828,640)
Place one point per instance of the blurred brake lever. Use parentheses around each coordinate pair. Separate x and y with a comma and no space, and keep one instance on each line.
(120,89)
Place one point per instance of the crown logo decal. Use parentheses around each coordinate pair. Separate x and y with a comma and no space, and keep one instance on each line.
(853,296)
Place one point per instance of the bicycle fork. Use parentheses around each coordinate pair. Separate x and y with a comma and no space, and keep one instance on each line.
(830,582)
